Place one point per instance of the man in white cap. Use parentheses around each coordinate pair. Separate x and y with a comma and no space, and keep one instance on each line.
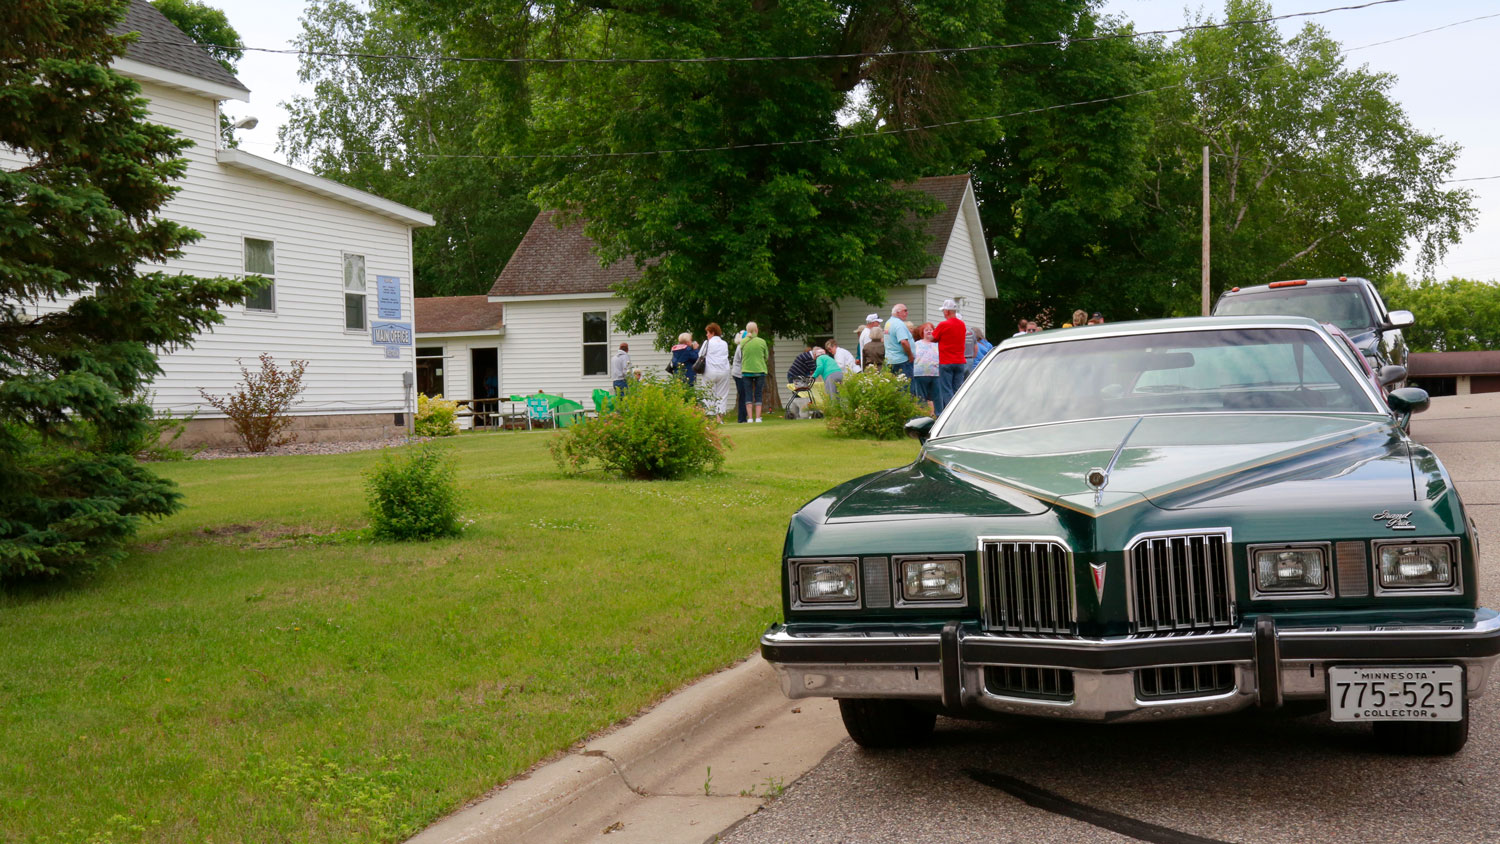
(864,335)
(949,334)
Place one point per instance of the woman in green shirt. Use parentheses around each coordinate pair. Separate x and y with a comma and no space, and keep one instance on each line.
(829,370)
(756,352)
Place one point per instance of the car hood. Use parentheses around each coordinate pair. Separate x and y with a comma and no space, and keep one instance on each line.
(1172,462)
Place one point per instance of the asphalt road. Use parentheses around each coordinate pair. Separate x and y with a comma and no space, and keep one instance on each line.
(1243,778)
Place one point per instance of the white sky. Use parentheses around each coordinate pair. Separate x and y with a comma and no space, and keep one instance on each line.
(1445,82)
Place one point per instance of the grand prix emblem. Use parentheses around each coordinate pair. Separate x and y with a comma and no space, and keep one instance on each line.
(1395,521)
(1098,572)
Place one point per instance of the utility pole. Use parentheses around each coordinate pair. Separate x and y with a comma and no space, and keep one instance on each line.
(1205,231)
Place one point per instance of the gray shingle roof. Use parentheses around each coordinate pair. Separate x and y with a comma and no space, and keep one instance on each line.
(552,261)
(163,45)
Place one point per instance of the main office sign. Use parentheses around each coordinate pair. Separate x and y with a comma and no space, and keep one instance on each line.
(390,334)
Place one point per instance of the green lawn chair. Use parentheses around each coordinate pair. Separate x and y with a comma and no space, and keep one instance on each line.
(539,410)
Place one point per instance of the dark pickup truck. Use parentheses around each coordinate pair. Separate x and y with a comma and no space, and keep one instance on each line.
(1350,303)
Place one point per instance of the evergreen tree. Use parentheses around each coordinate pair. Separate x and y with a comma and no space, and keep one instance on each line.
(80,318)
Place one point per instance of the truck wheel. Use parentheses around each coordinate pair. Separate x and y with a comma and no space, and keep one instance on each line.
(885,723)
(1431,738)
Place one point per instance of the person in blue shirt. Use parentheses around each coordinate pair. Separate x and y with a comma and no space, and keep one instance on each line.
(981,347)
(684,355)
(899,343)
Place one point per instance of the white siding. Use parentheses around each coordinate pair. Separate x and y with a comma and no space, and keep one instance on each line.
(345,373)
(458,371)
(958,276)
(543,348)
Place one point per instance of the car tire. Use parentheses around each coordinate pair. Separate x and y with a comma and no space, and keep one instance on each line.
(1434,738)
(885,723)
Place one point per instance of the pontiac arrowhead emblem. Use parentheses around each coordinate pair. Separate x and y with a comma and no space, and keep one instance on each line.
(1098,572)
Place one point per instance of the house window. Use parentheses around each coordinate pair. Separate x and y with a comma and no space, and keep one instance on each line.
(260,259)
(430,370)
(596,343)
(354,292)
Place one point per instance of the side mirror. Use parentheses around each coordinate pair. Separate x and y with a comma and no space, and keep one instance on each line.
(917,428)
(1408,400)
(1391,374)
(1400,319)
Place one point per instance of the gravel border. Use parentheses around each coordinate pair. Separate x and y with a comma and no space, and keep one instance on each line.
(340,447)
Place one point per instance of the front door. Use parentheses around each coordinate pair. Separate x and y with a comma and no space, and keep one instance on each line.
(485,372)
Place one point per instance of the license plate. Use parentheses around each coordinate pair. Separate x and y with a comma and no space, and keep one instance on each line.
(1396,693)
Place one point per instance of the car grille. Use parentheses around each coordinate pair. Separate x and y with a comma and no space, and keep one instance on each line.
(1023,681)
(1185,680)
(1181,583)
(1028,587)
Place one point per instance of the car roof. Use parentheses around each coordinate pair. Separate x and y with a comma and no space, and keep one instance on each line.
(1307,282)
(1151,326)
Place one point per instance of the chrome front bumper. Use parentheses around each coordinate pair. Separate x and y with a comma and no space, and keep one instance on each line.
(1270,665)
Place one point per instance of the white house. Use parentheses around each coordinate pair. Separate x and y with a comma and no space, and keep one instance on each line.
(340,260)
(558,330)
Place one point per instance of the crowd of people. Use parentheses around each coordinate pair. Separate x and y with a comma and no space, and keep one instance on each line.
(934,358)
(1080,317)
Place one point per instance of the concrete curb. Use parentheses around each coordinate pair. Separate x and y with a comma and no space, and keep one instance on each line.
(694,764)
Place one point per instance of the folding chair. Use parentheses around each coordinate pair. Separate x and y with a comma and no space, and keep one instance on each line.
(539,409)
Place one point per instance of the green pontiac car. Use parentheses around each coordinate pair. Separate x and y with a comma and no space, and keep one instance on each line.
(1143,521)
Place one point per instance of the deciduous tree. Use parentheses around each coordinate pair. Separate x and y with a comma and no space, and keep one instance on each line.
(1316,169)
(388,127)
(1457,315)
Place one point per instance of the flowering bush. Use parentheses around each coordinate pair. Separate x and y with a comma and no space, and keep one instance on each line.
(874,404)
(658,430)
(436,417)
(413,498)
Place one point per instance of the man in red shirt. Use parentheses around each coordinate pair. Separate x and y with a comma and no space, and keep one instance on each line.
(949,335)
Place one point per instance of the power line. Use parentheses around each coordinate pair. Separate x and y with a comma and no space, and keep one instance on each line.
(1056,42)
(1228,157)
(891,132)
(1423,32)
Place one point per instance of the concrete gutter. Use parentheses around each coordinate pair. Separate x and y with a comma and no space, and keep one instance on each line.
(695,764)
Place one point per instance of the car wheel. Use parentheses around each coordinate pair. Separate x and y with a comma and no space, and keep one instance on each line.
(885,723)
(1432,738)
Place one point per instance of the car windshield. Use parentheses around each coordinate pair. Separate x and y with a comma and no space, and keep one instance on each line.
(1211,371)
(1343,306)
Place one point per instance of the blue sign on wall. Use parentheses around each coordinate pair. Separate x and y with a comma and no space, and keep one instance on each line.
(388,296)
(390,334)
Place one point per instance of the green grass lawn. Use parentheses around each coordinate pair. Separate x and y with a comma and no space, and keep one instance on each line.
(253,673)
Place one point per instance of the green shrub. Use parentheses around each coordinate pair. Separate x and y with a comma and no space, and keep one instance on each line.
(436,417)
(413,498)
(657,430)
(875,404)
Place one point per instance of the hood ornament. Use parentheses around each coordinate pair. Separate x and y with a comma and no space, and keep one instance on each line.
(1098,570)
(1099,478)
(1395,521)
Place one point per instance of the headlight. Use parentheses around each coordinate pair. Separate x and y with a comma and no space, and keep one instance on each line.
(932,580)
(1426,565)
(828,582)
(1290,569)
